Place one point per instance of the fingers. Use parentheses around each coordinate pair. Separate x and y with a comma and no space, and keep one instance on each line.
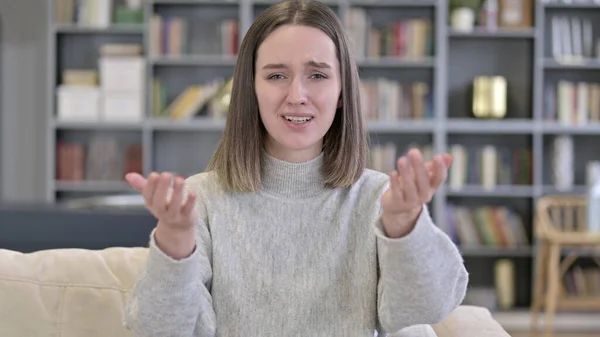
(150,187)
(396,187)
(415,182)
(174,206)
(407,178)
(136,181)
(189,205)
(160,199)
(423,186)
(440,172)
(447,160)
(163,195)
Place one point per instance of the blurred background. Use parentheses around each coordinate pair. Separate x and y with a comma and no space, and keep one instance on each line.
(92,89)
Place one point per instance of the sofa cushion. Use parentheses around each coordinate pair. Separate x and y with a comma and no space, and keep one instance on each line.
(49,291)
(421,330)
(470,321)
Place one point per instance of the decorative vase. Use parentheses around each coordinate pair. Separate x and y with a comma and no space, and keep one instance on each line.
(463,19)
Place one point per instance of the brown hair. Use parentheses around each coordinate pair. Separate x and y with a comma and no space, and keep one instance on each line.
(237,159)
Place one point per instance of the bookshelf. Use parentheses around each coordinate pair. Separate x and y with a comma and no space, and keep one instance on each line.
(436,83)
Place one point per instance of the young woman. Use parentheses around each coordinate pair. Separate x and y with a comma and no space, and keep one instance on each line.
(287,233)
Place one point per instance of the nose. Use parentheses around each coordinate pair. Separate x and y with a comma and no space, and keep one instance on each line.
(297,92)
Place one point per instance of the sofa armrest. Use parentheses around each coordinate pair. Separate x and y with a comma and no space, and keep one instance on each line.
(470,321)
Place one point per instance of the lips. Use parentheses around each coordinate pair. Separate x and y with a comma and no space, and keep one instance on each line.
(297,117)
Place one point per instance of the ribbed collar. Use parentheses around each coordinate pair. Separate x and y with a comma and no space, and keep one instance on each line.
(292,180)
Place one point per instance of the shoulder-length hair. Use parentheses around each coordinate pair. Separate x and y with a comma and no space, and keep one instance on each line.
(238,157)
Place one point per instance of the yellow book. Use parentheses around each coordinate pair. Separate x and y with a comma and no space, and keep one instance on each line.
(177,108)
(498,97)
(481,88)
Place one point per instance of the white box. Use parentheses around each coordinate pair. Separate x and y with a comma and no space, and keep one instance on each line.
(78,103)
(123,106)
(121,73)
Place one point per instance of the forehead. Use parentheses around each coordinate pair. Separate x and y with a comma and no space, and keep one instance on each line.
(296,43)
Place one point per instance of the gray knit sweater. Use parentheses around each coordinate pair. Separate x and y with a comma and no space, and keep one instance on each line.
(297,259)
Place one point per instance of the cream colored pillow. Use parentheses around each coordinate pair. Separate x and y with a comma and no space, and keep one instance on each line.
(420,330)
(67,292)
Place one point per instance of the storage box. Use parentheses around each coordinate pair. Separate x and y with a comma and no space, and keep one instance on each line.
(123,107)
(78,103)
(122,73)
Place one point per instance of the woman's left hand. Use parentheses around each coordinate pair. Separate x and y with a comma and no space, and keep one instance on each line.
(413,184)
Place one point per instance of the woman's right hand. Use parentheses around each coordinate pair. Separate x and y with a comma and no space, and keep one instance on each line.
(176,214)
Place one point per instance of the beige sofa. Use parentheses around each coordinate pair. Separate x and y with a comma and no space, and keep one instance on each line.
(81,293)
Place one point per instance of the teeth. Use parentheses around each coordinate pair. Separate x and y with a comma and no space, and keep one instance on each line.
(298,119)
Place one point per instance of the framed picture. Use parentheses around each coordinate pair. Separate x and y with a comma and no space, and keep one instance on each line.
(515,13)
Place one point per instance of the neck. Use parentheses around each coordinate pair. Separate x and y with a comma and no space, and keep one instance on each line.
(293,156)
(293,180)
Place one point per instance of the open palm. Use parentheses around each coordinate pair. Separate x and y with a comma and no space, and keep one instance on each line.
(165,198)
(414,182)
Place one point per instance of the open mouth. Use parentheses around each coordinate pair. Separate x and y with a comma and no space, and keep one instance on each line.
(298,120)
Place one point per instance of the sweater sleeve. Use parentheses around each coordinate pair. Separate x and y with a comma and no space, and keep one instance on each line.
(422,276)
(172,297)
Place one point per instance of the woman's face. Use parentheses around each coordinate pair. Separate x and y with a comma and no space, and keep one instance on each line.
(297,83)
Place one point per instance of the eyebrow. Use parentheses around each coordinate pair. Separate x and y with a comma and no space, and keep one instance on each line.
(315,64)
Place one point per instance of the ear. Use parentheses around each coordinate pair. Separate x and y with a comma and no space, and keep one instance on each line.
(339,105)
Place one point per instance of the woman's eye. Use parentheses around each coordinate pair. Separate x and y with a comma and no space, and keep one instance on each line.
(319,76)
(275,77)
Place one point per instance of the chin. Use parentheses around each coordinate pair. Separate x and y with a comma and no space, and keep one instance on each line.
(298,143)
(300,146)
